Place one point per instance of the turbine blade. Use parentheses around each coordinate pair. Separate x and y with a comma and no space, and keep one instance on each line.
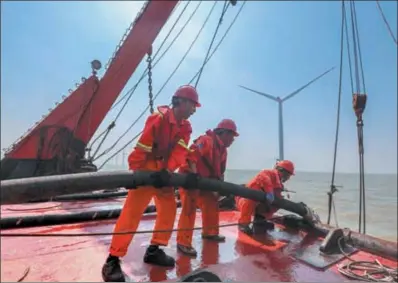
(306,85)
(260,93)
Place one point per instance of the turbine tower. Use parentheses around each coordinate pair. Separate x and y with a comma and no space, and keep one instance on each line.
(280,104)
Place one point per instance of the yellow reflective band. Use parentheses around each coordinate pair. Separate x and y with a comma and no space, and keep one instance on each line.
(184,145)
(144,147)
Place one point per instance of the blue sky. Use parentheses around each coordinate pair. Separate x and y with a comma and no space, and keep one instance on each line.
(274,47)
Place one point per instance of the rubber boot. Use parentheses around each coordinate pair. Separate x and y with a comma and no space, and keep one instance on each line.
(155,255)
(111,271)
(261,225)
(245,229)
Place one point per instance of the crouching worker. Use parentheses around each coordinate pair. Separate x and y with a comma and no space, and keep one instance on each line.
(162,147)
(270,182)
(208,158)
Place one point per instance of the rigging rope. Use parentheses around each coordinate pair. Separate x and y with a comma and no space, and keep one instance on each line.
(193,78)
(225,8)
(333,188)
(386,22)
(157,94)
(132,90)
(359,103)
(130,93)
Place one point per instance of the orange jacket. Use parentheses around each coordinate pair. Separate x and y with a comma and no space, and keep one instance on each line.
(162,141)
(267,181)
(209,154)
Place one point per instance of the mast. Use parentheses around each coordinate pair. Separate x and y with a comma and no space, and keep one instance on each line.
(57,144)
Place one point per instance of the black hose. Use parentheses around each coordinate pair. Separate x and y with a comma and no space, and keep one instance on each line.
(89,196)
(18,191)
(60,219)
(23,190)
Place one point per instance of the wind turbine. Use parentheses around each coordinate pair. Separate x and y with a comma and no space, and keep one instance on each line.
(280,104)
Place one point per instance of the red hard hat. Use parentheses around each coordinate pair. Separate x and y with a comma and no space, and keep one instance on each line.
(188,92)
(228,124)
(287,165)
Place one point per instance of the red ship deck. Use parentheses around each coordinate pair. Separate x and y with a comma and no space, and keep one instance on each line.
(240,258)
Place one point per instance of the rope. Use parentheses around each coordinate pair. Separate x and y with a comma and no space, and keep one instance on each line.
(163,86)
(225,8)
(359,112)
(348,51)
(143,112)
(221,40)
(130,93)
(386,22)
(193,78)
(127,232)
(372,271)
(333,188)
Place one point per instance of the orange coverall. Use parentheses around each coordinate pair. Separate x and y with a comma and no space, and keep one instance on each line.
(158,126)
(207,149)
(267,181)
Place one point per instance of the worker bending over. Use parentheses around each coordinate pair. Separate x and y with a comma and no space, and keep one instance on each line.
(270,182)
(162,146)
(208,156)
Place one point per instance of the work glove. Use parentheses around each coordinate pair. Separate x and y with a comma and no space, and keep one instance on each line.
(270,197)
(161,178)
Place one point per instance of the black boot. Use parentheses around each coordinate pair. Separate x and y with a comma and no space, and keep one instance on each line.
(189,251)
(261,225)
(245,229)
(111,271)
(155,255)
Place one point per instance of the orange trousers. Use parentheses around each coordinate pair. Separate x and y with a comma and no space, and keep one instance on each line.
(134,206)
(248,208)
(208,204)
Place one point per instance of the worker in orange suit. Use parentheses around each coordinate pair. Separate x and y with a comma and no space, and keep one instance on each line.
(162,147)
(209,156)
(270,182)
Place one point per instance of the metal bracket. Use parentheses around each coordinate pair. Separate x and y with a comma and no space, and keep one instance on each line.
(323,254)
(332,242)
